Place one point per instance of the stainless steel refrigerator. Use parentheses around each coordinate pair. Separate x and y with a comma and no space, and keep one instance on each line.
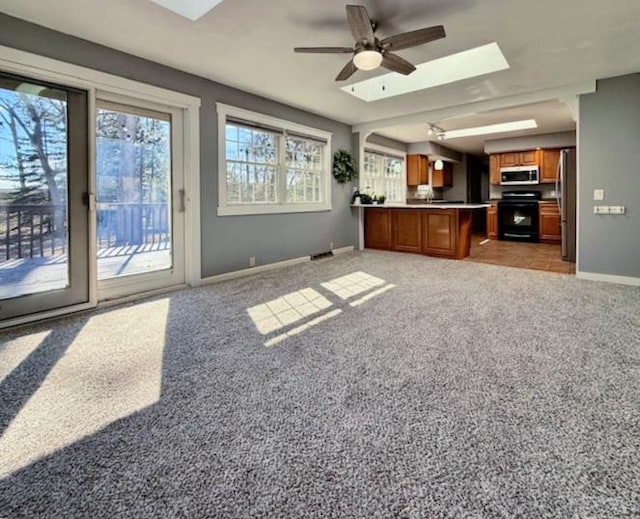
(566,199)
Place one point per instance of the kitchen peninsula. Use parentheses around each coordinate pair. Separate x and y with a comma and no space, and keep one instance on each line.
(442,230)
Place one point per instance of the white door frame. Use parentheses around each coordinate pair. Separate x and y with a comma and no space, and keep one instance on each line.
(93,81)
(124,286)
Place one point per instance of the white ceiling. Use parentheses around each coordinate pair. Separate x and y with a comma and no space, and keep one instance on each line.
(248,44)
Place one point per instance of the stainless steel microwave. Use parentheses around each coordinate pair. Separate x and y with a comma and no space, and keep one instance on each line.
(519,176)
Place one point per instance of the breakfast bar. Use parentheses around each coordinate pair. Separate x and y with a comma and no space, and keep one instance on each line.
(442,230)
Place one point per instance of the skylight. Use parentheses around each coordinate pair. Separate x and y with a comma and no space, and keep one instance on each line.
(192,9)
(456,67)
(513,126)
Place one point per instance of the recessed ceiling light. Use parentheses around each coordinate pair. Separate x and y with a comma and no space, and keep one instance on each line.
(192,9)
(493,128)
(456,67)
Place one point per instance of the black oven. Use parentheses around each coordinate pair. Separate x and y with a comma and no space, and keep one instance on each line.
(518,216)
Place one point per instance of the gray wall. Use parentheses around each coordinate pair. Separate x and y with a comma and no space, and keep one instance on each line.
(459,190)
(609,139)
(227,242)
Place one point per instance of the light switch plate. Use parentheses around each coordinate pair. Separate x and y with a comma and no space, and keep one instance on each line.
(598,194)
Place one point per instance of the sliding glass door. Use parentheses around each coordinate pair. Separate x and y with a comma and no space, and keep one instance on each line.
(139,198)
(44,253)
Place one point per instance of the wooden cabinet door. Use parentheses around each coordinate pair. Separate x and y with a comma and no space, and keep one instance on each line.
(492,221)
(442,177)
(405,230)
(508,160)
(549,166)
(549,223)
(417,170)
(529,158)
(439,232)
(377,228)
(494,169)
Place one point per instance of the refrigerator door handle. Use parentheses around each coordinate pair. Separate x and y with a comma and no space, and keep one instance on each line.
(558,181)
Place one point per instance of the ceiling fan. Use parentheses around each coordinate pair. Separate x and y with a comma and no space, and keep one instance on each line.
(369,52)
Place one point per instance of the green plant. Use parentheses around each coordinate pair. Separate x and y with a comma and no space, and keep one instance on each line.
(344,167)
(381,199)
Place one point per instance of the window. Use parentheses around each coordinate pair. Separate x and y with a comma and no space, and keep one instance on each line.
(268,165)
(383,174)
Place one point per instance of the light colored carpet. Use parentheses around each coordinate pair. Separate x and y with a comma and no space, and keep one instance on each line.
(412,387)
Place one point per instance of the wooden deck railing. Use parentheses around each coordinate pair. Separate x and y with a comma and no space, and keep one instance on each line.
(39,230)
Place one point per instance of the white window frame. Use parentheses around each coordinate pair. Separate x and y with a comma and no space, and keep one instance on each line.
(225,111)
(368,146)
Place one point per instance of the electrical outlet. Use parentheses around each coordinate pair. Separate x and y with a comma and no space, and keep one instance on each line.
(601,209)
(252,261)
(598,194)
(330,245)
(617,209)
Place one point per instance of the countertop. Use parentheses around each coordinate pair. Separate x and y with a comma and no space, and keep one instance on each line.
(425,206)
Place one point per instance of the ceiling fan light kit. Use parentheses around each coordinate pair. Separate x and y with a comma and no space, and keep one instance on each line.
(369,52)
(367,59)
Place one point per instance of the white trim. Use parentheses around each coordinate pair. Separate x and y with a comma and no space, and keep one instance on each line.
(21,62)
(139,296)
(224,209)
(578,177)
(106,86)
(254,270)
(225,110)
(609,278)
(342,250)
(388,151)
(122,286)
(241,209)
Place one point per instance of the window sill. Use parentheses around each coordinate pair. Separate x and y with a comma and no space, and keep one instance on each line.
(238,210)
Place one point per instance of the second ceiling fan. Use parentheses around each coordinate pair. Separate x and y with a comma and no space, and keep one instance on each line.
(369,52)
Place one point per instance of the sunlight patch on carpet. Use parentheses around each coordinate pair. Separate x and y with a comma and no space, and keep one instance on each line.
(352,284)
(100,379)
(287,310)
(12,353)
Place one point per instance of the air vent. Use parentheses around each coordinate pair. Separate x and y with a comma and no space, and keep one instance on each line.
(321,255)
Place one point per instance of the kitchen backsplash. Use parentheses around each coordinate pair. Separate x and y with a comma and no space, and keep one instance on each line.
(547,190)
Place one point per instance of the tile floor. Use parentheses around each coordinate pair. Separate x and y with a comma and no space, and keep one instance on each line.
(538,256)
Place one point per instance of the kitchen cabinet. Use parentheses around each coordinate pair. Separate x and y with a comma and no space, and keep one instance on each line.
(520,158)
(439,232)
(417,170)
(549,166)
(549,230)
(377,228)
(492,221)
(442,177)
(405,230)
(494,169)
(434,232)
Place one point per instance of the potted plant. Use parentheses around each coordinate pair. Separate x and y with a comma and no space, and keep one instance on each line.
(344,167)
(381,199)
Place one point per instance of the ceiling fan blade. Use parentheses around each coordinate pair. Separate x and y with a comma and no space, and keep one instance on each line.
(397,64)
(413,38)
(348,71)
(360,23)
(324,50)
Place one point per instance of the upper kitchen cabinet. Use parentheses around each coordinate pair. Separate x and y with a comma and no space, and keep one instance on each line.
(417,170)
(549,166)
(494,169)
(520,158)
(442,177)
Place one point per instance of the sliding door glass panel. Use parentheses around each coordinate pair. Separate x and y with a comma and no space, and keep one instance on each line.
(134,224)
(34,239)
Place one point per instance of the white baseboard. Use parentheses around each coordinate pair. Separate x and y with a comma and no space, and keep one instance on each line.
(343,250)
(609,278)
(254,270)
